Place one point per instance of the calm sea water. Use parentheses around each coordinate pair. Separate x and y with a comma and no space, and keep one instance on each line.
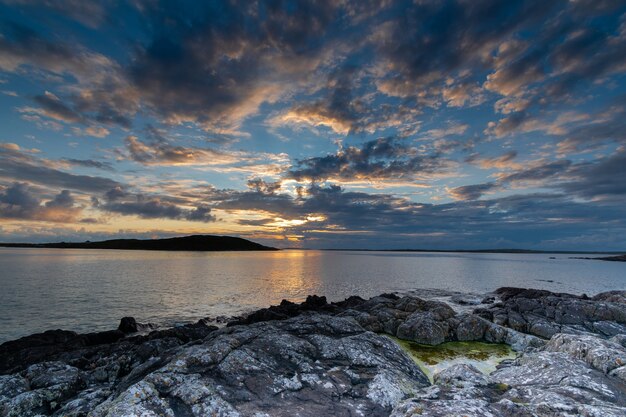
(87,290)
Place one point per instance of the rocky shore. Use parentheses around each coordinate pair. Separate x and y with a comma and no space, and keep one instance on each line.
(321,359)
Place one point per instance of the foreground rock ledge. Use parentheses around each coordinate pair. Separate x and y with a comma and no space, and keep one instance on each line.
(318,358)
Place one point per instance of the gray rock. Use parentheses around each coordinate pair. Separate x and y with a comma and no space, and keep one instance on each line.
(308,365)
(425,328)
(544,314)
(620,339)
(536,384)
(461,375)
(600,354)
(320,358)
(444,408)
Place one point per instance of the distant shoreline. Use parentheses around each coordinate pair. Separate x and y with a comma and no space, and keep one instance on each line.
(194,243)
(513,251)
(246,245)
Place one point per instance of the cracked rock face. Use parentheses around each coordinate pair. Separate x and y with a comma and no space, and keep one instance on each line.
(319,358)
(544,314)
(309,365)
(536,384)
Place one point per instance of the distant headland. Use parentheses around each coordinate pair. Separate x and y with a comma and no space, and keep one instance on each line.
(200,243)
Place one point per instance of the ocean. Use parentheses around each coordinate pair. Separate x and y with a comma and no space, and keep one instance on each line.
(88,290)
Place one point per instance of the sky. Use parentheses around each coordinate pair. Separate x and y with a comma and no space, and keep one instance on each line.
(316,124)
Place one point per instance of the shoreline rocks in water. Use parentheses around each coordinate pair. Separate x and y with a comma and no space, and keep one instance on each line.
(318,358)
(617,258)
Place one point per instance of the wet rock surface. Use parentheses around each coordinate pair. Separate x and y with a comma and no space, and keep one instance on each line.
(544,314)
(318,358)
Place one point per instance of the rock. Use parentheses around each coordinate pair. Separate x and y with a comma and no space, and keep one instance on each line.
(307,365)
(466,299)
(423,327)
(128,325)
(536,384)
(461,375)
(48,385)
(611,296)
(91,349)
(544,314)
(319,358)
(600,354)
(620,339)
(444,408)
(553,383)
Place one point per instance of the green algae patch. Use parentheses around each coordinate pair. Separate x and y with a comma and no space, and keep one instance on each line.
(432,359)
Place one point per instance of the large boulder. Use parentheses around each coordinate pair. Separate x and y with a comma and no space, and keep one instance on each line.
(310,365)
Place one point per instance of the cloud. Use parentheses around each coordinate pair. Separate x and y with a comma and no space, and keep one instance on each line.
(597,180)
(160,152)
(423,45)
(163,153)
(119,201)
(472,192)
(52,107)
(524,122)
(219,70)
(541,174)
(380,159)
(504,161)
(424,76)
(63,200)
(608,125)
(334,217)
(345,109)
(600,179)
(19,202)
(17,165)
(88,163)
(95,131)
(90,14)
(21,47)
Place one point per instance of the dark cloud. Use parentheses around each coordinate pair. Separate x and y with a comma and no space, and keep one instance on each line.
(19,195)
(262,186)
(605,126)
(120,201)
(346,109)
(161,152)
(423,45)
(503,161)
(63,200)
(17,165)
(216,63)
(385,158)
(603,178)
(21,46)
(89,13)
(539,173)
(221,67)
(515,220)
(54,108)
(596,180)
(19,202)
(88,163)
(102,94)
(545,174)
(474,191)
